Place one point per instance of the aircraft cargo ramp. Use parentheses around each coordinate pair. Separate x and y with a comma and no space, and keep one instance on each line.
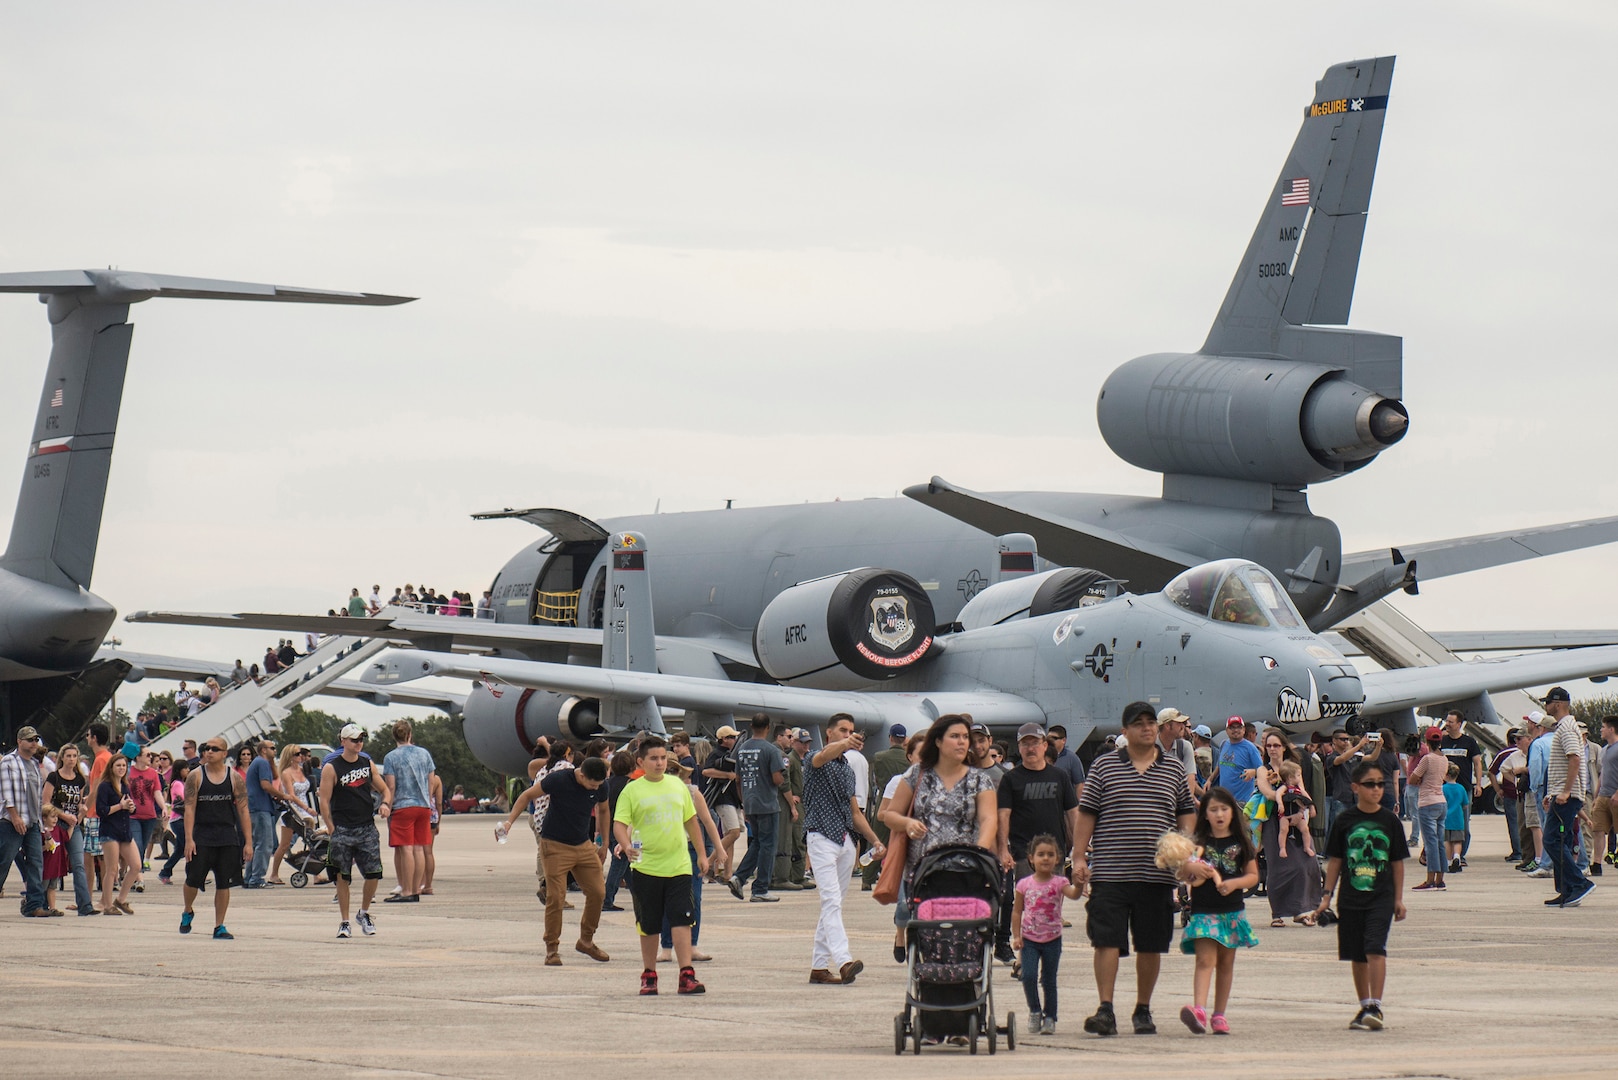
(252,710)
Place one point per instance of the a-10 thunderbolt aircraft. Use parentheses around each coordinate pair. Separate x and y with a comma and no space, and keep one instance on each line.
(51,624)
(1220,639)
(1279,396)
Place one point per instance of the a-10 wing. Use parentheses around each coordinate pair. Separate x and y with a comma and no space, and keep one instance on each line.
(1407,688)
(916,711)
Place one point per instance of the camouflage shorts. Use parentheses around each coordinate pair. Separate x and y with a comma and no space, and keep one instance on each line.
(357,845)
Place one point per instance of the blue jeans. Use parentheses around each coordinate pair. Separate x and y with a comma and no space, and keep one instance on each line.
(1510,808)
(1466,842)
(1040,959)
(696,908)
(1562,847)
(27,849)
(263,847)
(177,826)
(760,857)
(1431,819)
(1333,808)
(141,830)
(617,874)
(83,903)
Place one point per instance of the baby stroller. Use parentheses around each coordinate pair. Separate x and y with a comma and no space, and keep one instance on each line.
(307,855)
(954,901)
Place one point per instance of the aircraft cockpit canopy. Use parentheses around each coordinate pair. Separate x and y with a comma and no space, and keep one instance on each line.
(1236,591)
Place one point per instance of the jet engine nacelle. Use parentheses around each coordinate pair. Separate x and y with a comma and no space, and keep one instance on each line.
(846,630)
(1274,421)
(503,724)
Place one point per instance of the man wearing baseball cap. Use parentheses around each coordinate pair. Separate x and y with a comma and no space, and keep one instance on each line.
(1565,796)
(1172,725)
(720,790)
(1034,799)
(885,765)
(20,788)
(1239,762)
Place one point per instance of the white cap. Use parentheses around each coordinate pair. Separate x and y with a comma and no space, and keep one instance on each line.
(352,731)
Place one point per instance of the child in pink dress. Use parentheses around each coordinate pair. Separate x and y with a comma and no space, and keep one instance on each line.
(56,865)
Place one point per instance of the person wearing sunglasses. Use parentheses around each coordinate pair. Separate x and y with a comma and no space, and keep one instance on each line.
(21,787)
(218,834)
(1366,852)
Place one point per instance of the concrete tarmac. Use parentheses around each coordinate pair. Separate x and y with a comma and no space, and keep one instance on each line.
(1484,982)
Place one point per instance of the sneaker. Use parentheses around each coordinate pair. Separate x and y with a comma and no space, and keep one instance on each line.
(1525,866)
(763,898)
(611,907)
(221,934)
(1574,900)
(1455,866)
(1141,1018)
(1464,863)
(1048,1027)
(1541,872)
(1194,1017)
(1514,857)
(1003,953)
(396,890)
(735,887)
(648,983)
(1610,858)
(1373,1017)
(1424,886)
(1219,1025)
(787,886)
(165,879)
(140,886)
(343,931)
(1556,901)
(689,983)
(1358,1023)
(367,927)
(1104,1022)
(1036,1021)
(1595,869)
(185,921)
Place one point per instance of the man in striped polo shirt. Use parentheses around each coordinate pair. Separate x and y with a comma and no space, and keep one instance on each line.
(1132,796)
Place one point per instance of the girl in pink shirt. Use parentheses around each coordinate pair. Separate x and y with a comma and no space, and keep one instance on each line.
(1036,930)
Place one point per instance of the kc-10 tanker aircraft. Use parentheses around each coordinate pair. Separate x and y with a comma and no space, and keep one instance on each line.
(1278,397)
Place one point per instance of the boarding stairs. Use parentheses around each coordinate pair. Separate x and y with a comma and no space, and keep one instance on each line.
(251,710)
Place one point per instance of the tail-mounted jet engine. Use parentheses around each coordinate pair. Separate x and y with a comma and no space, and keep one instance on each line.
(846,630)
(1275,421)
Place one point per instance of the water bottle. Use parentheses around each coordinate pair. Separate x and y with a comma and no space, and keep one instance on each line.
(634,845)
(867,858)
(500,833)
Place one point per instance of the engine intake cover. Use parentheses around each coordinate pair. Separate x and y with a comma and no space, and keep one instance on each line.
(846,630)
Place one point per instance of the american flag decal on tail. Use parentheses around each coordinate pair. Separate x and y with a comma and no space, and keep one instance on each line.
(1296,193)
(56,399)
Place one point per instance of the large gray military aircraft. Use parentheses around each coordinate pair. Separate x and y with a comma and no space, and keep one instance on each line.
(1220,639)
(1279,396)
(51,624)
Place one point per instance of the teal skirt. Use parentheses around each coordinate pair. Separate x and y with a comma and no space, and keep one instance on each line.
(1227,928)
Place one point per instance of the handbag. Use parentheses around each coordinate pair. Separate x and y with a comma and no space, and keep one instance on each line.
(886,890)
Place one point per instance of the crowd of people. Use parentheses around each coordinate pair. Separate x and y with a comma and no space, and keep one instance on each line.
(427,600)
(95,821)
(1152,831)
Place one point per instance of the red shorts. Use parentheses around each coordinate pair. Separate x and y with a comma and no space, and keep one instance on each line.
(409,827)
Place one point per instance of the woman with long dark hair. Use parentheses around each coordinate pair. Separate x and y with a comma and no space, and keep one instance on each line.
(940,800)
(1292,880)
(118,852)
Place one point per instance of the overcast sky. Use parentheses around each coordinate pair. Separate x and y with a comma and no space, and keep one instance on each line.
(695,252)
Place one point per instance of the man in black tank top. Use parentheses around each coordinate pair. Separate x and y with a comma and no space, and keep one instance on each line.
(346,783)
(218,834)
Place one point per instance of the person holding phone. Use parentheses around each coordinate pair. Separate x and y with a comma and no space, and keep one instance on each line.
(831,817)
(114,806)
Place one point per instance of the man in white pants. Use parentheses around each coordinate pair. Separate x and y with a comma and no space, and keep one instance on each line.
(830,819)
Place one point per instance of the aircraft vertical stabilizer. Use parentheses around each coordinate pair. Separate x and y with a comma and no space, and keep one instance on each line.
(629,642)
(58,520)
(1300,265)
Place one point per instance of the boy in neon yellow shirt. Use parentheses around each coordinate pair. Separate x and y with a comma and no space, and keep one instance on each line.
(654,822)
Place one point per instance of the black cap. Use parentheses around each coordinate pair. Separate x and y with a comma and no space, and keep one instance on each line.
(1556,693)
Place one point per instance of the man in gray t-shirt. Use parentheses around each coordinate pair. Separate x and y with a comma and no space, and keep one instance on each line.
(759,766)
(1603,817)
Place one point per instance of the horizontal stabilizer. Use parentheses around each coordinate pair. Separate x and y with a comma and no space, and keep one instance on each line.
(1061,540)
(128,287)
(1412,688)
(1462,555)
(808,707)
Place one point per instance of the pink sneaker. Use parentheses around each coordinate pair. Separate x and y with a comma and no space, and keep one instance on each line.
(1219,1025)
(1196,1018)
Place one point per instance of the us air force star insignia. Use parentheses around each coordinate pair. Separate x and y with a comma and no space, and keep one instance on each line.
(1357,105)
(972,584)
